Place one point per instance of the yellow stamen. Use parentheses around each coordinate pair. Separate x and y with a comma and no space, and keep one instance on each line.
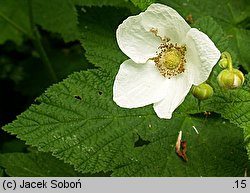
(170,60)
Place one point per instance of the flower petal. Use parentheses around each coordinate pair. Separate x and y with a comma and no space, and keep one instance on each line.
(176,94)
(201,56)
(134,41)
(167,21)
(137,85)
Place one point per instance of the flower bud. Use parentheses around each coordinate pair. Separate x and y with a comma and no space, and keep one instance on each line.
(202,91)
(230,79)
(223,63)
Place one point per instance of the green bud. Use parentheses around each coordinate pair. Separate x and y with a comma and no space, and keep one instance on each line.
(202,91)
(230,79)
(223,63)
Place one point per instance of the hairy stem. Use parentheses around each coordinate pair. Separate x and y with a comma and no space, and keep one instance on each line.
(38,44)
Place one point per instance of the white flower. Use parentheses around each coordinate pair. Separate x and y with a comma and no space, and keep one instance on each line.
(167,57)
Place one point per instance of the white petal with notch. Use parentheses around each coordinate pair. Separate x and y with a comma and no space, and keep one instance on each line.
(167,21)
(135,38)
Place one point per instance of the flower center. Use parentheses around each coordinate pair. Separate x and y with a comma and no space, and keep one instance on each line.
(171,59)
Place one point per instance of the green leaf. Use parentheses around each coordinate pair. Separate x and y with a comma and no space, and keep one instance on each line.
(247,82)
(53,15)
(214,146)
(243,44)
(209,26)
(14,21)
(142,4)
(34,164)
(98,37)
(57,16)
(233,105)
(84,127)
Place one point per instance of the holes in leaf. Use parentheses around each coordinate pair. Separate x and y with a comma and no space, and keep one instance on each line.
(100,92)
(141,142)
(78,97)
